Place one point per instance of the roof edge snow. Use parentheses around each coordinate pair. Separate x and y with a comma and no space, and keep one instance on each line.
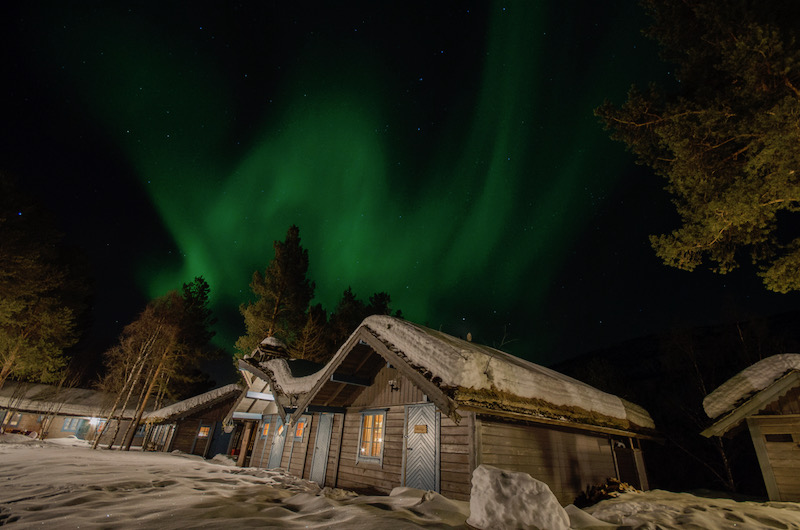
(479,376)
(753,379)
(187,406)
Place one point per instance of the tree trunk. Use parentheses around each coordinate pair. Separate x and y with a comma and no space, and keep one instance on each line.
(143,403)
(8,364)
(130,384)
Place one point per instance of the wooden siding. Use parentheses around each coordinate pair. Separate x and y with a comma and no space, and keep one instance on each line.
(261,446)
(185,435)
(786,404)
(365,475)
(456,456)
(778,456)
(334,452)
(380,393)
(294,452)
(566,461)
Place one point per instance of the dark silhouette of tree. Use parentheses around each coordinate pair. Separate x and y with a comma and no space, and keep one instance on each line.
(311,341)
(725,137)
(283,293)
(41,298)
(158,353)
(350,312)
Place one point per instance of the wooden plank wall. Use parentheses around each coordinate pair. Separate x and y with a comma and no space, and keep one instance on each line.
(786,404)
(184,435)
(257,457)
(334,451)
(566,461)
(782,476)
(380,393)
(372,475)
(294,452)
(455,460)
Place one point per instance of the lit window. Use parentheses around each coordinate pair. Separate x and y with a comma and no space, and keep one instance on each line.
(203,432)
(371,438)
(100,426)
(265,429)
(299,429)
(15,419)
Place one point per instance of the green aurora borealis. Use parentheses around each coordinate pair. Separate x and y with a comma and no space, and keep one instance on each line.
(450,159)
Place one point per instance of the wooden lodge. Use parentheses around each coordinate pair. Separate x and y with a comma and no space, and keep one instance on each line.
(194,425)
(403,405)
(50,411)
(765,397)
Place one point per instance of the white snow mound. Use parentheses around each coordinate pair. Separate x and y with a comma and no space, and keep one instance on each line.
(749,381)
(503,500)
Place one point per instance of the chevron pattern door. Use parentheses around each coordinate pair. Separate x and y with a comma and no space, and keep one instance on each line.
(421,447)
(319,462)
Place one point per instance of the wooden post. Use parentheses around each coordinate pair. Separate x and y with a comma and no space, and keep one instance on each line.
(248,431)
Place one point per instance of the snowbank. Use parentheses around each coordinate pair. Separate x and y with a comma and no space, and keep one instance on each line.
(51,485)
(664,509)
(748,382)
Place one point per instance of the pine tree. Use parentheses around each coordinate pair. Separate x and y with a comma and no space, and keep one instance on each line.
(310,343)
(40,297)
(283,294)
(726,136)
(350,312)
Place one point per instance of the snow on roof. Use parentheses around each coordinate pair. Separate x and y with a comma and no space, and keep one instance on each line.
(188,405)
(275,342)
(468,365)
(289,384)
(749,381)
(49,399)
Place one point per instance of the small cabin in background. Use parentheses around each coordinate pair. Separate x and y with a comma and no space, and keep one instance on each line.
(403,405)
(50,411)
(194,425)
(765,398)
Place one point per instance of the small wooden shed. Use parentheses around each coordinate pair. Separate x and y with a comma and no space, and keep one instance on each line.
(766,398)
(194,425)
(403,405)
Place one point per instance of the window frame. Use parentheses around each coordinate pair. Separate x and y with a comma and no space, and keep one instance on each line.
(265,422)
(15,419)
(71,424)
(371,459)
(303,420)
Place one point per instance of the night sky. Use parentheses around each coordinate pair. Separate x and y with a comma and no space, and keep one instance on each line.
(443,152)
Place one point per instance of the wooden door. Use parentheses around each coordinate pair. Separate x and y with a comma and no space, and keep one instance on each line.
(422,447)
(319,460)
(278,441)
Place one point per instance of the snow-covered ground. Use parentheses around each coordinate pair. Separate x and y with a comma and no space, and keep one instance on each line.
(64,484)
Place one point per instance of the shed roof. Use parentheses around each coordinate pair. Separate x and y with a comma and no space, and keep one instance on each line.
(456,373)
(750,391)
(186,407)
(50,399)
